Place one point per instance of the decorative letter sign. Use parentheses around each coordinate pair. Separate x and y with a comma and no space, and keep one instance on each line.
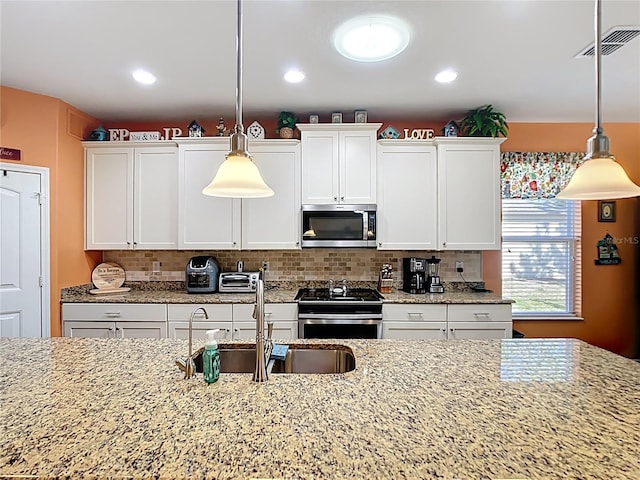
(419,134)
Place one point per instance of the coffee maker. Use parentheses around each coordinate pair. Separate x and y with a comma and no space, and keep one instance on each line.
(433,280)
(414,275)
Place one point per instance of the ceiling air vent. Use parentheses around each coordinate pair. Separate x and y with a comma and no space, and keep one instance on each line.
(612,40)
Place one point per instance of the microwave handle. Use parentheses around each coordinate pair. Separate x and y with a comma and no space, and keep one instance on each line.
(365,225)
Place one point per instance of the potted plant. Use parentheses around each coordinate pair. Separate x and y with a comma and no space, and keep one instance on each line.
(286,124)
(484,122)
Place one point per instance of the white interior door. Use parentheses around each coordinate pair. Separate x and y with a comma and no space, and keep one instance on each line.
(21,275)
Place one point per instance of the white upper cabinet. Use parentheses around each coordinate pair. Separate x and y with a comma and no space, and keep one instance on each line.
(469,193)
(131,196)
(407,195)
(338,163)
(204,222)
(274,222)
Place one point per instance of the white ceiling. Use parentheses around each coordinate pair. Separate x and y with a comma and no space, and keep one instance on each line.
(514,54)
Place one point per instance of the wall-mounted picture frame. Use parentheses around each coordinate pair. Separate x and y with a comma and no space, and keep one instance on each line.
(361,116)
(313,119)
(606,210)
(336,117)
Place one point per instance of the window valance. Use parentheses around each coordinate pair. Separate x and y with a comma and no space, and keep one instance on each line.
(536,174)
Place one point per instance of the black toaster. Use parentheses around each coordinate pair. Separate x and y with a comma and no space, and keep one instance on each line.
(201,274)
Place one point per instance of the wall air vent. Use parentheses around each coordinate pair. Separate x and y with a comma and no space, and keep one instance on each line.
(612,40)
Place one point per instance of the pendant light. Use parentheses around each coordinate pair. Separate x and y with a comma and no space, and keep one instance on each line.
(600,177)
(238,176)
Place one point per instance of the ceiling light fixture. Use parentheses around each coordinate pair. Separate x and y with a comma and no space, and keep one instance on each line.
(371,38)
(446,76)
(238,176)
(294,76)
(600,177)
(143,77)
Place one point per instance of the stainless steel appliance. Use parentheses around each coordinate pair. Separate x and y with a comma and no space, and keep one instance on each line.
(435,286)
(347,313)
(414,275)
(338,226)
(201,274)
(238,282)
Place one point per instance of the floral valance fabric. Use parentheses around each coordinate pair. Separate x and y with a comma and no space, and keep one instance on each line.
(536,174)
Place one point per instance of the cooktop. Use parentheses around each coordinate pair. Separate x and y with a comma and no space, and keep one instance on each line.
(351,295)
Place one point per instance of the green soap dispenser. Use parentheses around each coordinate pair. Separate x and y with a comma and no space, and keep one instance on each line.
(211,358)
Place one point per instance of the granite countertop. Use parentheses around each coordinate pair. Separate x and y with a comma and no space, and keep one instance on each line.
(119,408)
(285,292)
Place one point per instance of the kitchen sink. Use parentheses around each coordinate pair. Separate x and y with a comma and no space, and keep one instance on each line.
(241,358)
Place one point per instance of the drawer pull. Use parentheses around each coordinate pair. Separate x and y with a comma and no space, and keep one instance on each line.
(415,314)
(111,314)
(268,314)
(483,315)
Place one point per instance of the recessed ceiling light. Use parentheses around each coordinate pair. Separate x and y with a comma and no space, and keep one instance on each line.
(144,77)
(294,76)
(371,38)
(446,76)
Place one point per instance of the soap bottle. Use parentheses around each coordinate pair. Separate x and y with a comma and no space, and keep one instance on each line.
(211,358)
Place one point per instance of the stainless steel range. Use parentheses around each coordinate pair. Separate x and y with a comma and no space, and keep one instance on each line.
(339,313)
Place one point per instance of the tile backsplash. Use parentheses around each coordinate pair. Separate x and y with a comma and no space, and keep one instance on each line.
(294,265)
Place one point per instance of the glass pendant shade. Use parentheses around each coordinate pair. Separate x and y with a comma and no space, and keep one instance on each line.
(238,176)
(599,179)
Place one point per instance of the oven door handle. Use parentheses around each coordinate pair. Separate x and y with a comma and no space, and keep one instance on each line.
(350,318)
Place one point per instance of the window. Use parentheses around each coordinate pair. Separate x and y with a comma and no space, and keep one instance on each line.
(541,256)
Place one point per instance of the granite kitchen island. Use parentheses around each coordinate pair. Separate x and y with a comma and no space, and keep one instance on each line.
(120,408)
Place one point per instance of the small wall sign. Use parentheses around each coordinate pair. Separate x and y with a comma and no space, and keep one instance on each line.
(9,153)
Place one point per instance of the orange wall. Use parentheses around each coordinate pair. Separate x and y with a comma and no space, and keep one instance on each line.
(609,303)
(38,126)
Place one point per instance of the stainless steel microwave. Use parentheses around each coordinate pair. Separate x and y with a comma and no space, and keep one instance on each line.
(338,226)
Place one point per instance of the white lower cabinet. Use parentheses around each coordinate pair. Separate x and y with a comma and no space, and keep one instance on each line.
(220,317)
(414,321)
(460,321)
(414,330)
(283,315)
(479,321)
(114,320)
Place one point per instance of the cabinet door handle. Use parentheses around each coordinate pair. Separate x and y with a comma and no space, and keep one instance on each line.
(379,244)
(118,329)
(268,314)
(112,314)
(484,315)
(109,334)
(415,314)
(444,244)
(453,332)
(342,199)
(335,199)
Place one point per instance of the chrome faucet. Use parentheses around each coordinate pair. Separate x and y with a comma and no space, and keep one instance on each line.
(263,347)
(188,366)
